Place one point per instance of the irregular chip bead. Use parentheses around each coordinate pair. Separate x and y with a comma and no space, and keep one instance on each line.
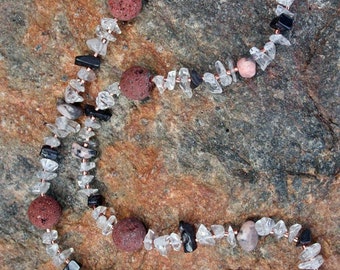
(72,96)
(82,152)
(87,166)
(98,211)
(113,89)
(280,229)
(40,187)
(231,237)
(293,232)
(148,239)
(232,69)
(159,82)
(49,236)
(110,24)
(187,236)
(279,39)
(104,100)
(49,165)
(224,78)
(247,237)
(57,132)
(107,227)
(218,231)
(52,142)
(88,191)
(70,111)
(262,59)
(72,265)
(281,10)
(310,252)
(175,241)
(213,85)
(264,226)
(85,134)
(47,176)
(204,236)
(162,244)
(61,257)
(77,85)
(96,45)
(66,124)
(91,122)
(286,3)
(86,74)
(184,81)
(84,180)
(52,249)
(314,263)
(170,81)
(104,34)
(270,49)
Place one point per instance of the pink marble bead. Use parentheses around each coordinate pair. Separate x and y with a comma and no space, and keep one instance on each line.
(246,67)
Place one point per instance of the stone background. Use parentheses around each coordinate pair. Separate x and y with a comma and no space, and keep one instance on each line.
(268,146)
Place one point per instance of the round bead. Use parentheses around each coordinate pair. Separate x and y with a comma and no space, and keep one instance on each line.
(246,67)
(125,10)
(44,212)
(247,237)
(135,83)
(128,234)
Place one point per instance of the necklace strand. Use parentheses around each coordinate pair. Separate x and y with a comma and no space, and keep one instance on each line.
(83,149)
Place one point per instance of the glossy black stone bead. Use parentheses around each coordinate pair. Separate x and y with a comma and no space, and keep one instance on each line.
(282,23)
(49,152)
(196,79)
(72,265)
(188,236)
(305,238)
(89,61)
(95,200)
(103,115)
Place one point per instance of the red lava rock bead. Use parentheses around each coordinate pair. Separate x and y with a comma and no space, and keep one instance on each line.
(125,10)
(135,83)
(128,234)
(44,212)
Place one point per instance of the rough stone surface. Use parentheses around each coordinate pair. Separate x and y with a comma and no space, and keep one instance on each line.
(267,146)
(125,10)
(128,234)
(135,83)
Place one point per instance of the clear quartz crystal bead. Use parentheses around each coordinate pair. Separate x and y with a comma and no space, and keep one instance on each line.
(88,191)
(279,39)
(58,132)
(72,265)
(270,49)
(107,227)
(48,164)
(224,78)
(231,237)
(92,123)
(175,241)
(148,239)
(72,96)
(310,252)
(110,25)
(262,59)
(103,34)
(81,152)
(52,250)
(77,85)
(98,211)
(293,232)
(232,69)
(52,141)
(280,229)
(218,231)
(286,3)
(70,126)
(87,166)
(281,10)
(101,222)
(159,82)
(84,180)
(314,263)
(113,89)
(60,258)
(264,226)
(204,236)
(86,74)
(85,133)
(162,244)
(170,81)
(47,176)
(40,187)
(104,100)
(49,236)
(96,45)
(184,82)
(212,83)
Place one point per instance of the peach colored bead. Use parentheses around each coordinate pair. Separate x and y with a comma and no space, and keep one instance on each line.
(246,67)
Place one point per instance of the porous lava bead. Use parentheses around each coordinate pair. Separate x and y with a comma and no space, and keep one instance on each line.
(135,83)
(44,212)
(246,67)
(125,10)
(128,234)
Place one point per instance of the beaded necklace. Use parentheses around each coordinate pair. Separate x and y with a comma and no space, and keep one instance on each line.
(129,234)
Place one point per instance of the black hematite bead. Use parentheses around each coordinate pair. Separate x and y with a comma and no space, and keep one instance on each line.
(103,115)
(196,79)
(72,265)
(95,200)
(89,61)
(188,236)
(305,238)
(282,23)
(49,152)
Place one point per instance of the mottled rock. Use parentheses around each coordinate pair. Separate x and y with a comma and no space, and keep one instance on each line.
(246,67)
(125,10)
(247,236)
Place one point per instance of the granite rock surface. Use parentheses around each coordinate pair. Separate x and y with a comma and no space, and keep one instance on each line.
(266,146)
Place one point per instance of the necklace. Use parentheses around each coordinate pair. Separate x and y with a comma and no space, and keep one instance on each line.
(130,234)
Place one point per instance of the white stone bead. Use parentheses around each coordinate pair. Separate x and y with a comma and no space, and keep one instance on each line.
(184,84)
(104,100)
(218,231)
(314,263)
(175,241)
(49,237)
(52,141)
(52,250)
(170,81)
(162,244)
(231,237)
(86,74)
(264,226)
(98,211)
(279,39)
(40,187)
(81,152)
(280,229)
(213,85)
(293,232)
(204,236)
(148,239)
(310,252)
(247,236)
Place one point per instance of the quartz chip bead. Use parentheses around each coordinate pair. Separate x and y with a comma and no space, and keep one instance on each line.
(280,229)
(49,152)
(68,125)
(49,236)
(87,191)
(224,78)
(97,45)
(88,61)
(159,82)
(49,165)
(175,241)
(286,3)
(86,74)
(103,34)
(91,122)
(281,10)
(84,180)
(279,39)
(56,131)
(187,236)
(107,227)
(40,187)
(72,265)
(232,69)
(264,226)
(218,231)
(103,115)
(98,211)
(113,89)
(52,142)
(111,25)
(70,111)
(71,95)
(231,237)
(204,236)
(270,49)
(247,237)
(47,176)
(104,100)
(61,257)
(212,83)
(83,152)
(52,250)
(184,82)
(314,263)
(310,252)
(162,244)
(293,232)
(85,134)
(170,81)
(77,85)
(148,239)
(262,59)
(87,166)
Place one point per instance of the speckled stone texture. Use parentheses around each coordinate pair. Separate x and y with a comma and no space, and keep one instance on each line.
(267,146)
